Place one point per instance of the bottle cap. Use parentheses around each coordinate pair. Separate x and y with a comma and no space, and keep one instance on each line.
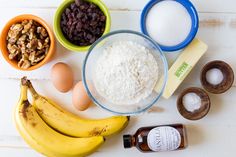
(127,141)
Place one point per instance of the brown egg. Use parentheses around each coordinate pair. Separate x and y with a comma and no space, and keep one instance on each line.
(62,77)
(80,98)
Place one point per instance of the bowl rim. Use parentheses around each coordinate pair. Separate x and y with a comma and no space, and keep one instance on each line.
(163,58)
(194,27)
(3,42)
(57,28)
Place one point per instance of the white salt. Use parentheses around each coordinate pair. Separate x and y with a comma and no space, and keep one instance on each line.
(168,23)
(191,102)
(214,76)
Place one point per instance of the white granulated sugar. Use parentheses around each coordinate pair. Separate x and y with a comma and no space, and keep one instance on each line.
(168,22)
(126,72)
(192,102)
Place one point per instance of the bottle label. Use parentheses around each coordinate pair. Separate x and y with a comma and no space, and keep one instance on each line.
(163,138)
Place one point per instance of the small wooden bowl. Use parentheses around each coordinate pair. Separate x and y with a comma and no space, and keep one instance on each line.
(3,41)
(225,84)
(197,114)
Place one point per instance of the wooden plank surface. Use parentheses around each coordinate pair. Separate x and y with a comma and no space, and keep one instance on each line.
(211,136)
(201,5)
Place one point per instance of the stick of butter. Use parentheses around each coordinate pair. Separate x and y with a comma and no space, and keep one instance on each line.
(182,66)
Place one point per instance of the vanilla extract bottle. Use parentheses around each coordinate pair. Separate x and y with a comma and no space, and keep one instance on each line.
(158,138)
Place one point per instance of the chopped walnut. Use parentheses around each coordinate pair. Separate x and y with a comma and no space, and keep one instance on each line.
(28,43)
(24,22)
(27,26)
(32,44)
(31,35)
(38,59)
(24,63)
(22,38)
(12,48)
(40,45)
(42,31)
(32,56)
(47,40)
(14,55)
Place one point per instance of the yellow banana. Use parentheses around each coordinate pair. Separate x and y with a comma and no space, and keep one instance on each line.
(44,139)
(72,125)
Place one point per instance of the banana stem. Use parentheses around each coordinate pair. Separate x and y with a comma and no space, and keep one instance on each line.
(24,88)
(32,90)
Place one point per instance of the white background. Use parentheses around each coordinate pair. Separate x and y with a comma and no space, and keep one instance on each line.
(215,135)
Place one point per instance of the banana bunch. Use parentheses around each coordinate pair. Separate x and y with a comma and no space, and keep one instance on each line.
(55,132)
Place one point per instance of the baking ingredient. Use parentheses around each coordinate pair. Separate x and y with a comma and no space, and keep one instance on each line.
(192,102)
(217,77)
(80,98)
(69,124)
(168,22)
(28,43)
(125,73)
(83,23)
(214,76)
(182,66)
(46,140)
(158,138)
(62,77)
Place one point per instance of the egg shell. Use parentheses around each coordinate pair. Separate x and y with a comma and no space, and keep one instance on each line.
(62,77)
(80,98)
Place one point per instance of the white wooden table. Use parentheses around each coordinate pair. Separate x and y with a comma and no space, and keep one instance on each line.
(215,135)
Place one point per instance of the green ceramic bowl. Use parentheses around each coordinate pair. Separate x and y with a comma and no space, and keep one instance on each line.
(57,28)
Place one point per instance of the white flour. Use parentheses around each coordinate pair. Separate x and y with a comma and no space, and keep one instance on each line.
(126,72)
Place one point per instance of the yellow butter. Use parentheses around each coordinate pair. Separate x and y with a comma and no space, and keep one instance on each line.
(182,66)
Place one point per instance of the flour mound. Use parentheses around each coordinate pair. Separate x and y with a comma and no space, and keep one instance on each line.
(125,73)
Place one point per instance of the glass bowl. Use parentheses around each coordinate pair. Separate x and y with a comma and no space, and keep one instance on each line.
(89,71)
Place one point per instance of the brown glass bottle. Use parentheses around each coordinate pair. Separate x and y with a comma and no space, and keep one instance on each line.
(158,138)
